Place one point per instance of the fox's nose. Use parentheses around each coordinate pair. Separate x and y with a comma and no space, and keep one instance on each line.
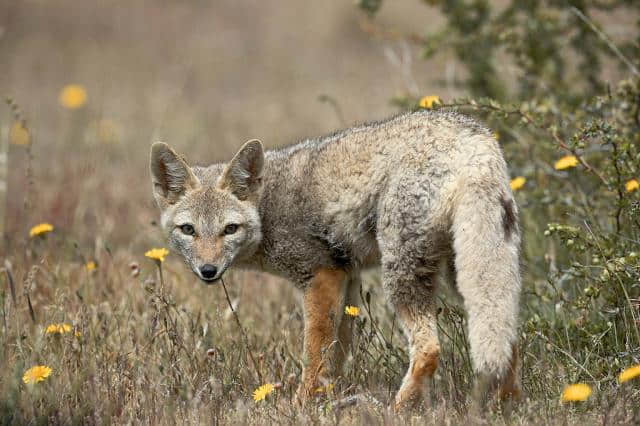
(208,271)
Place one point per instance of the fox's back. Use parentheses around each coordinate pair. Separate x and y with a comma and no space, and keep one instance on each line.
(333,188)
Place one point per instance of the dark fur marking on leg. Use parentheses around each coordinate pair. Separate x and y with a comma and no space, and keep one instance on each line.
(509,220)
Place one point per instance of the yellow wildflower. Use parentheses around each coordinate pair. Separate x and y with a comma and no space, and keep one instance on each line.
(517,183)
(72,96)
(40,229)
(91,266)
(157,254)
(326,389)
(566,162)
(18,135)
(261,393)
(354,311)
(629,373)
(57,328)
(577,392)
(496,136)
(427,102)
(632,185)
(36,374)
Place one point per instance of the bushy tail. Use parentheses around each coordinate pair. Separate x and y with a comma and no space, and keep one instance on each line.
(486,242)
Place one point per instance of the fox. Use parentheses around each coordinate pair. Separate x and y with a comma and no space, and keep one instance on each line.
(414,195)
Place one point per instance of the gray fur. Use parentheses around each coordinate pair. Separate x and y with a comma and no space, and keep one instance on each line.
(407,194)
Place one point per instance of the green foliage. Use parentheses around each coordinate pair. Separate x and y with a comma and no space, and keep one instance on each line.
(552,83)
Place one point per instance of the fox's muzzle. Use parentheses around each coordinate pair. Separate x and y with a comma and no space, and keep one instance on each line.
(209,273)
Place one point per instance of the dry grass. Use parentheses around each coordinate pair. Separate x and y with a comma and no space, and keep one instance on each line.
(170,353)
(205,78)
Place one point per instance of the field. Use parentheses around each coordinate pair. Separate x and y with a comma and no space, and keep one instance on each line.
(90,85)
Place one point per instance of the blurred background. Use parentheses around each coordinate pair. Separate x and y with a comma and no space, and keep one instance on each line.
(201,76)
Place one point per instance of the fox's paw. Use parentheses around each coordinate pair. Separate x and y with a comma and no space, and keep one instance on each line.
(302,395)
(409,396)
(310,390)
(306,391)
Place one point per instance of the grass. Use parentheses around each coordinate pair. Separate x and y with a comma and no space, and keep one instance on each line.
(143,350)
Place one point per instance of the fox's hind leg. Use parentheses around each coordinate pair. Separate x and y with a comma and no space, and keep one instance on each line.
(411,249)
(419,324)
(409,280)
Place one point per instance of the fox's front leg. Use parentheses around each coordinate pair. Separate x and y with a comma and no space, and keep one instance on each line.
(323,300)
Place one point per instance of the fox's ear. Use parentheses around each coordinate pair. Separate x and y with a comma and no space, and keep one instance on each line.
(170,175)
(243,175)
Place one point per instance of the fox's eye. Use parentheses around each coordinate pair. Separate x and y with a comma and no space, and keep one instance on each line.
(230,229)
(187,229)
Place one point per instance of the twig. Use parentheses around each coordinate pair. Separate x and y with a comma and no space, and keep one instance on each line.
(336,107)
(246,339)
(567,354)
(159,263)
(368,26)
(32,314)
(604,38)
(618,187)
(12,287)
(31,276)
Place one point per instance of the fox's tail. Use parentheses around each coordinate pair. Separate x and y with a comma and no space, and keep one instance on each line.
(486,241)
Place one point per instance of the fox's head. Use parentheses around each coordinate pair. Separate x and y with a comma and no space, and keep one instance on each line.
(209,215)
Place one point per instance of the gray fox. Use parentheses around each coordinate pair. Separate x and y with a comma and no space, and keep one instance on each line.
(413,194)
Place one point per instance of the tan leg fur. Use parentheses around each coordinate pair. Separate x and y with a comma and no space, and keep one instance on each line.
(322,310)
(510,388)
(424,355)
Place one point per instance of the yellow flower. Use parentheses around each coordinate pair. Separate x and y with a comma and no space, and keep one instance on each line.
(72,96)
(577,392)
(326,389)
(629,373)
(566,162)
(18,135)
(428,101)
(157,254)
(40,229)
(517,183)
(36,374)
(57,328)
(632,185)
(496,136)
(91,266)
(354,311)
(262,392)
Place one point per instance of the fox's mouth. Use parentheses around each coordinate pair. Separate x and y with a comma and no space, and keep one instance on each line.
(210,281)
